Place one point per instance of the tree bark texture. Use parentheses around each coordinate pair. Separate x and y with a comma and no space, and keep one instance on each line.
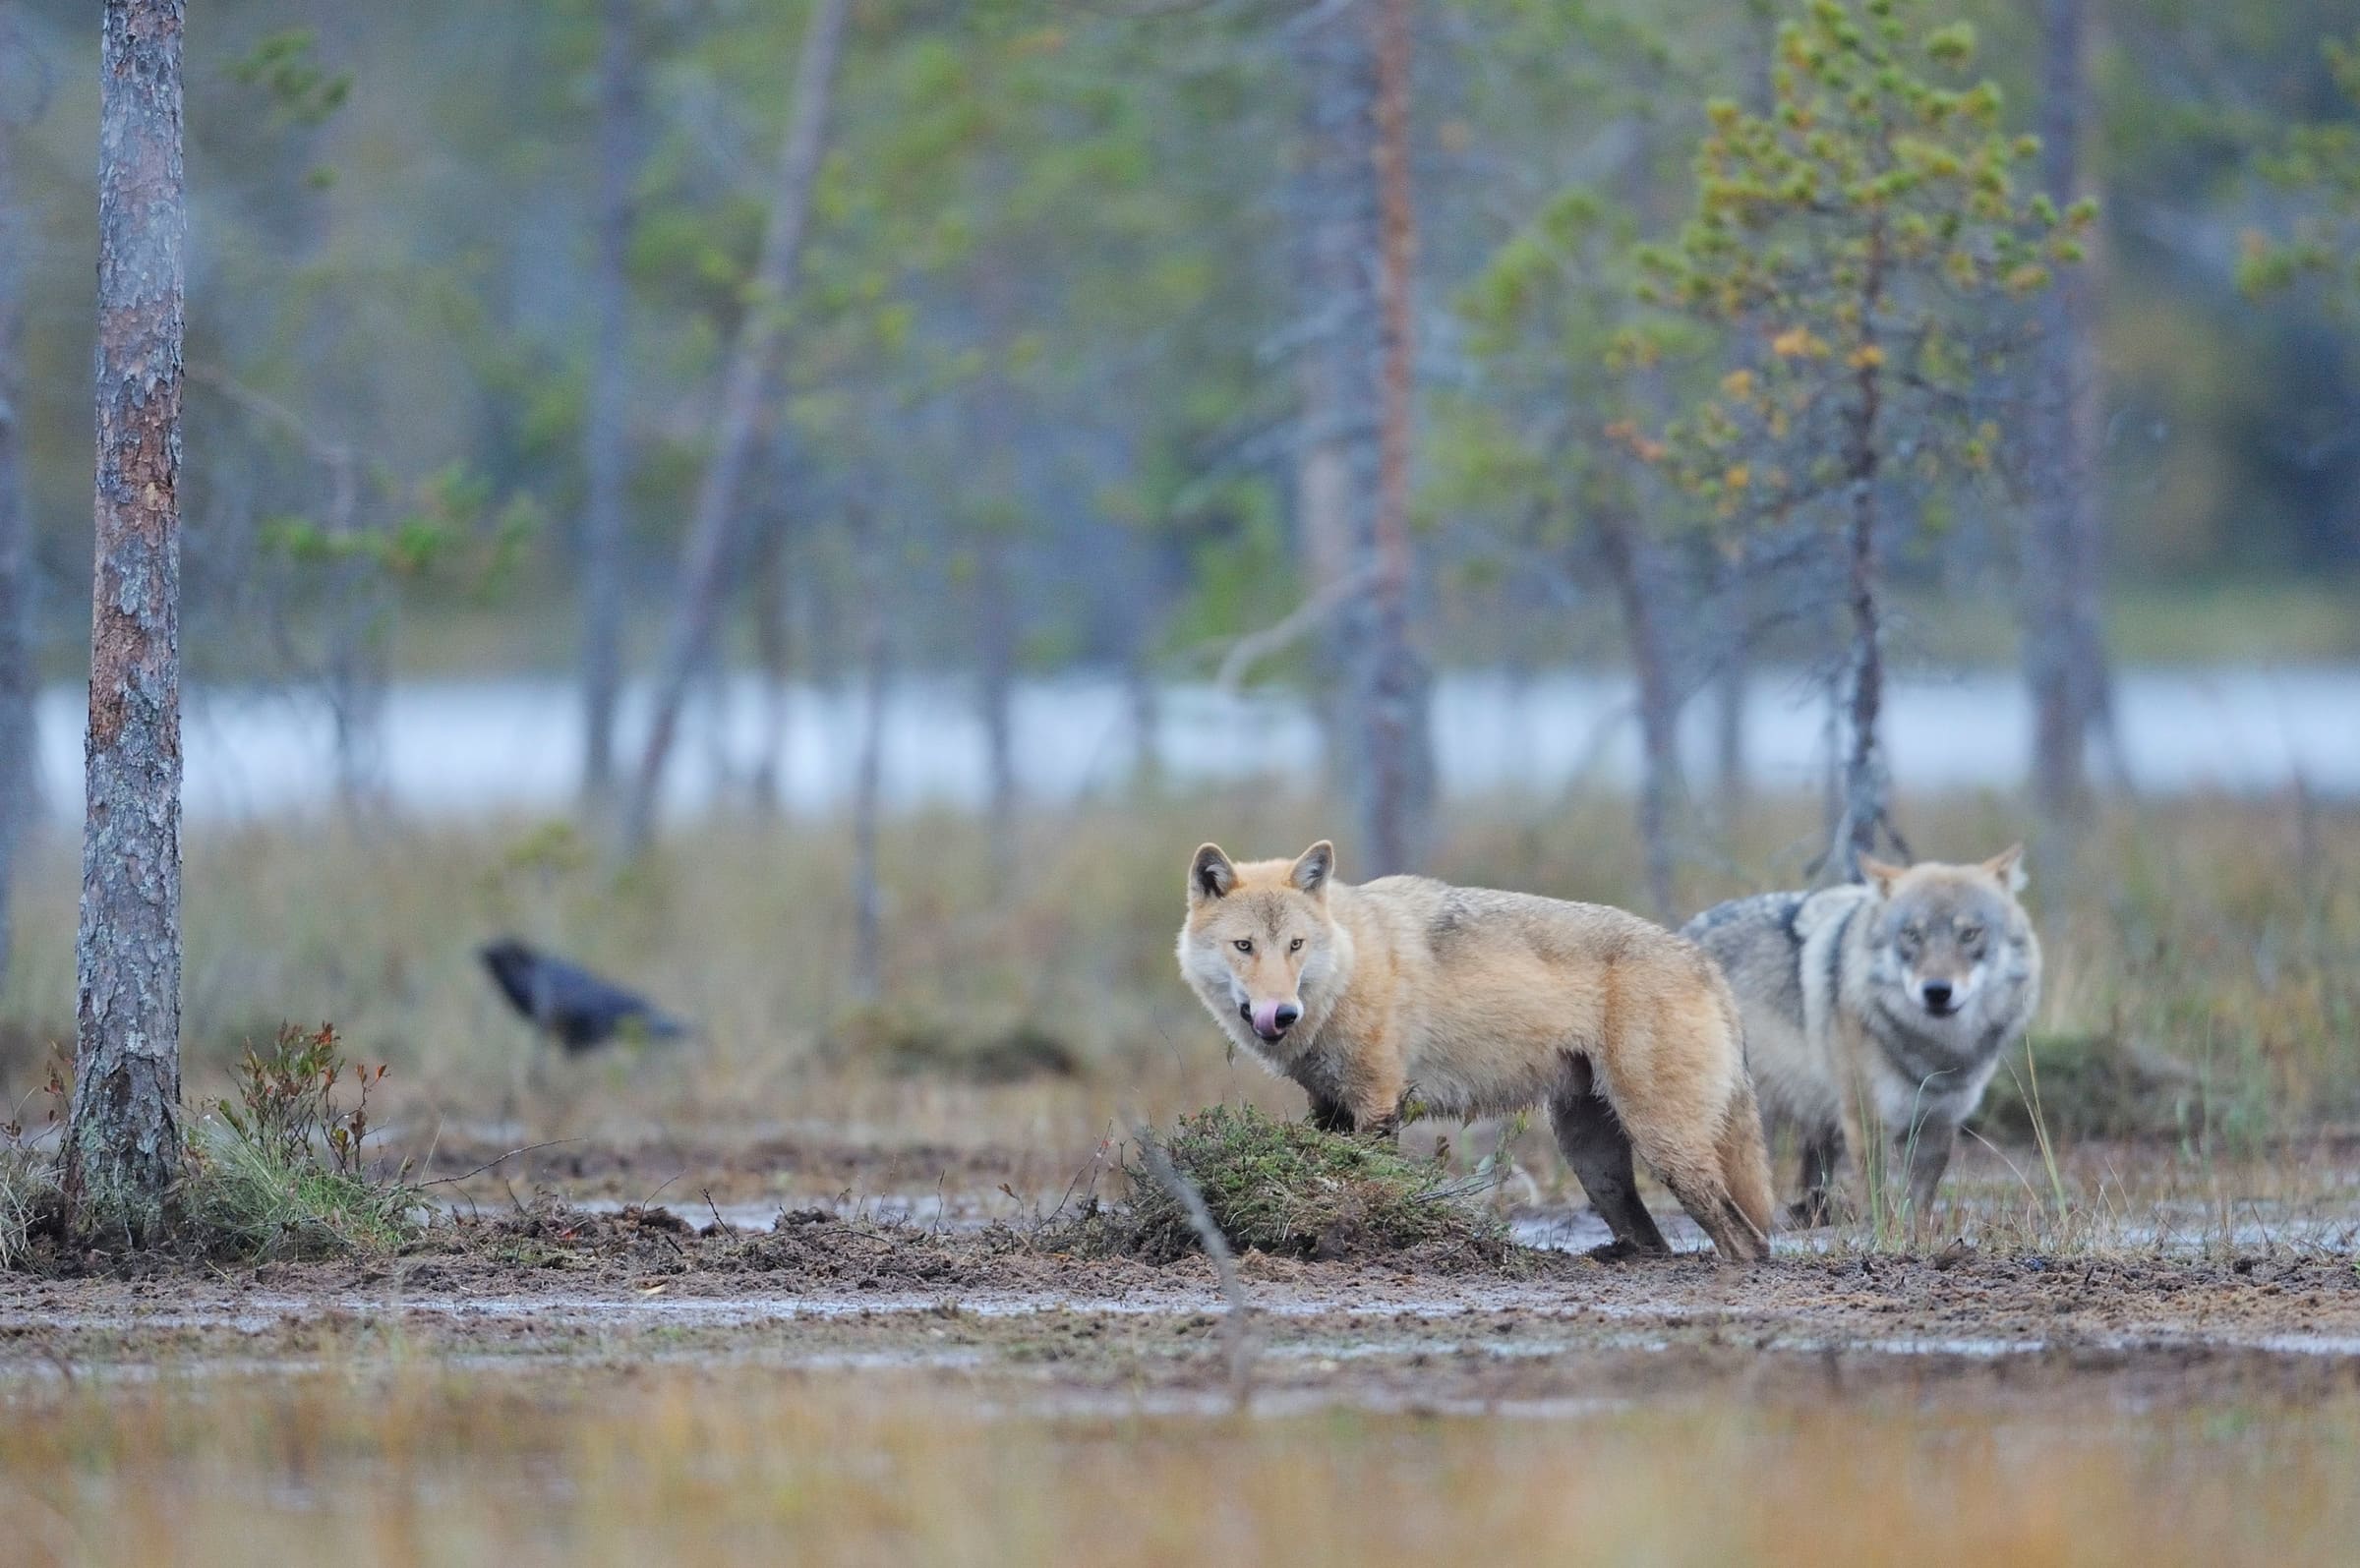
(2064,553)
(1356,261)
(606,462)
(123,1144)
(754,371)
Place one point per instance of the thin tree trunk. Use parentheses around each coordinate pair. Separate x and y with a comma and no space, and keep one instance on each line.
(754,368)
(19,776)
(1733,679)
(123,1146)
(2064,638)
(604,428)
(1146,702)
(1358,248)
(868,899)
(1395,690)
(773,646)
(997,678)
(1639,585)
(1865,807)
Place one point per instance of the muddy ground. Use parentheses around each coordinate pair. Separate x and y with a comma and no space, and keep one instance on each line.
(1002,1308)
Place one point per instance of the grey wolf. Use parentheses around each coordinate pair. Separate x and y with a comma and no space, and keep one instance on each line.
(1882,1006)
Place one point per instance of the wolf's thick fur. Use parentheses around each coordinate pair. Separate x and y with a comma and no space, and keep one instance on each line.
(1483,1004)
(1885,1005)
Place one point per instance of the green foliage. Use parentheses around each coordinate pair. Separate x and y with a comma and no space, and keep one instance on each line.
(302,91)
(1859,243)
(447,532)
(1288,1189)
(2320,165)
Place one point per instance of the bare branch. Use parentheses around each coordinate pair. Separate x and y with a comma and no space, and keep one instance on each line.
(1239,1320)
(1298,623)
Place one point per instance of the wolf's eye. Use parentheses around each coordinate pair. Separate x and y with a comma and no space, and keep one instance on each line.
(1295,945)
(1970,934)
(1242,945)
(1913,935)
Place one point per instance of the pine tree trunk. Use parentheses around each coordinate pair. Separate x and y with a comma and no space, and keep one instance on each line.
(1639,585)
(19,776)
(2064,636)
(1358,245)
(123,1146)
(754,368)
(605,423)
(1866,806)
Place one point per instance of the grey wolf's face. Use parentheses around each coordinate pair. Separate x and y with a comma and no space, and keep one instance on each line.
(1940,929)
(1261,933)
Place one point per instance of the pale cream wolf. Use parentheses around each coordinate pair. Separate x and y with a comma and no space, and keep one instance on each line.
(1483,1004)
(1888,1002)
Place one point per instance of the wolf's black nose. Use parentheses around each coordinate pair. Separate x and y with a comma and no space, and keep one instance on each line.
(1286,1014)
(1937,996)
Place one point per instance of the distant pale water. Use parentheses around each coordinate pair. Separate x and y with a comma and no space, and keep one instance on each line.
(482,748)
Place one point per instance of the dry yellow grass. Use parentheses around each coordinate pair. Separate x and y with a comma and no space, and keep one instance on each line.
(693,1466)
(2223,933)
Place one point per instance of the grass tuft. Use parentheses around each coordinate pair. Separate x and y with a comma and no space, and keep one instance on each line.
(1290,1190)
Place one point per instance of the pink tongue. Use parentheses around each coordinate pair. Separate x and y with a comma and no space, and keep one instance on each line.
(1266,1018)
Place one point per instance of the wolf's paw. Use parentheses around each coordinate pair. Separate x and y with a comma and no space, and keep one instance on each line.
(1620,1251)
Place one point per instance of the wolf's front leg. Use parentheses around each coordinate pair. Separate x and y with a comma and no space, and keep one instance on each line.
(1329,1115)
(1927,1155)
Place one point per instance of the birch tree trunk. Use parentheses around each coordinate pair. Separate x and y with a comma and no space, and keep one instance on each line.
(1357,255)
(604,428)
(123,1145)
(754,368)
(2064,635)
(18,777)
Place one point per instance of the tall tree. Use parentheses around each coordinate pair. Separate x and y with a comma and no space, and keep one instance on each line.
(2064,633)
(123,1145)
(710,550)
(18,777)
(605,427)
(1858,241)
(1357,248)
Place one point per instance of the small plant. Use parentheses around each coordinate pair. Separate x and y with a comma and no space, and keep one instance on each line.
(282,1172)
(29,1192)
(288,1099)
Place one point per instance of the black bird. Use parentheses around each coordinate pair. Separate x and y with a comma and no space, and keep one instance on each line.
(569,1003)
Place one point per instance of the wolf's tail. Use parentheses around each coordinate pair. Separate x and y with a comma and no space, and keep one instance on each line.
(1746,1160)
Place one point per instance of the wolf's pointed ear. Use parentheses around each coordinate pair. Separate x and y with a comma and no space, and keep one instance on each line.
(1211,876)
(1313,867)
(2007,868)
(1879,875)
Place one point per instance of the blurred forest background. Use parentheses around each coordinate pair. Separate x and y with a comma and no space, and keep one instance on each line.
(1329,345)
